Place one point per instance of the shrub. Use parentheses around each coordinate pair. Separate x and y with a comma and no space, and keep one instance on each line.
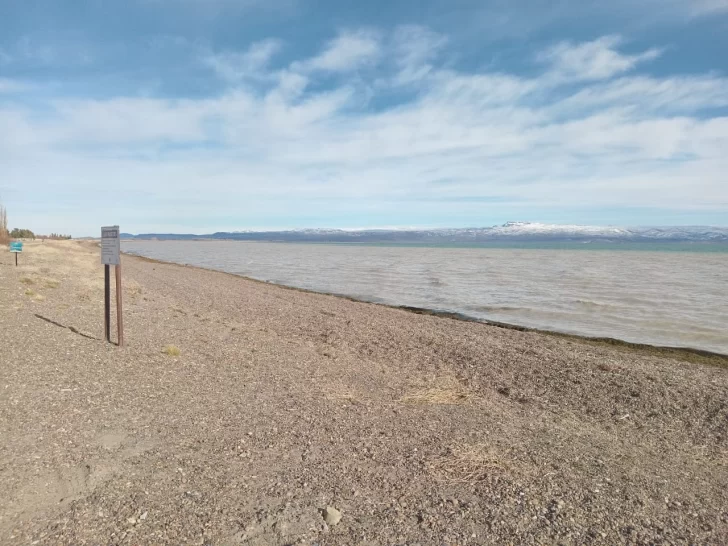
(171,350)
(22,234)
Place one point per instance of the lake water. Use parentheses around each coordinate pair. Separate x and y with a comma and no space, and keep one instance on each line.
(661,298)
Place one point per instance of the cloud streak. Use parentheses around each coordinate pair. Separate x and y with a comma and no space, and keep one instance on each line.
(706,7)
(12,86)
(349,51)
(596,60)
(236,67)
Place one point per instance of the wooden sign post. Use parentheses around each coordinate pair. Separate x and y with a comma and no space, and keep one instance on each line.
(111,255)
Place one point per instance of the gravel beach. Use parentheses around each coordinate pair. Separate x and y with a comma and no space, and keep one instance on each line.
(241,412)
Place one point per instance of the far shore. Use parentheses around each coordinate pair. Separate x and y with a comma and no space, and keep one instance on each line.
(646,246)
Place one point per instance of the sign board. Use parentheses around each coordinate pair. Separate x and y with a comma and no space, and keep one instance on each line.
(110,245)
(16,247)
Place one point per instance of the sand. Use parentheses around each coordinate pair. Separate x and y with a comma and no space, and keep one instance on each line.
(284,410)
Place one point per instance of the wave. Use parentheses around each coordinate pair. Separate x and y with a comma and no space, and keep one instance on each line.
(495,308)
(591,303)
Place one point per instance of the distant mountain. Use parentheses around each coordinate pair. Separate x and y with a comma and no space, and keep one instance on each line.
(510,231)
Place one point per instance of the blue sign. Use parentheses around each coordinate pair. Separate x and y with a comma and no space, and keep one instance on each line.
(16,247)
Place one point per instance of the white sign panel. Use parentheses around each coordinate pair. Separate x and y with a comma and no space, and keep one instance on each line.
(110,245)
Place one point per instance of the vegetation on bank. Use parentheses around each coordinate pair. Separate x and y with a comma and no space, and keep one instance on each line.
(55,236)
(22,234)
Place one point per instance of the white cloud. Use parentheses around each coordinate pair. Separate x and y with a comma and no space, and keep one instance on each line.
(596,60)
(235,67)
(349,51)
(415,44)
(705,7)
(414,48)
(648,95)
(12,86)
(286,141)
(291,84)
(29,48)
(480,90)
(135,121)
(210,8)
(35,49)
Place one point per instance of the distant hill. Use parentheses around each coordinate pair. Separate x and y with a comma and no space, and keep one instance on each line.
(510,231)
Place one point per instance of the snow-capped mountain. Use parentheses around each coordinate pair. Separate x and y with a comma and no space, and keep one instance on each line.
(510,231)
(534,228)
(675,233)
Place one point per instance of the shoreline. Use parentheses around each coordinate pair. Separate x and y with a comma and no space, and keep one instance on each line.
(696,355)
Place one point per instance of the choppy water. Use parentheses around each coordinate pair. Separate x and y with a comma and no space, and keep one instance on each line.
(661,298)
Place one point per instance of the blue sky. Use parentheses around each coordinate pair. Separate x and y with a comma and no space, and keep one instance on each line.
(206,115)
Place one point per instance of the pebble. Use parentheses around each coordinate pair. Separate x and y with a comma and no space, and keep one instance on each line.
(332,516)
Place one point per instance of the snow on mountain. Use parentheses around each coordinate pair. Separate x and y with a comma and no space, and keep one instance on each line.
(689,233)
(534,228)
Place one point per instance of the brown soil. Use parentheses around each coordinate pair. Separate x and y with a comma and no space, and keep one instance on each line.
(282,406)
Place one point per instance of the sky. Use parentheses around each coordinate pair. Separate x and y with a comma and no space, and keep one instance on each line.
(195,116)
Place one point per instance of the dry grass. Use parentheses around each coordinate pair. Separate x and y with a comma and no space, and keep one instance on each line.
(132,288)
(467,464)
(171,350)
(338,393)
(69,259)
(27,280)
(33,294)
(52,283)
(446,390)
